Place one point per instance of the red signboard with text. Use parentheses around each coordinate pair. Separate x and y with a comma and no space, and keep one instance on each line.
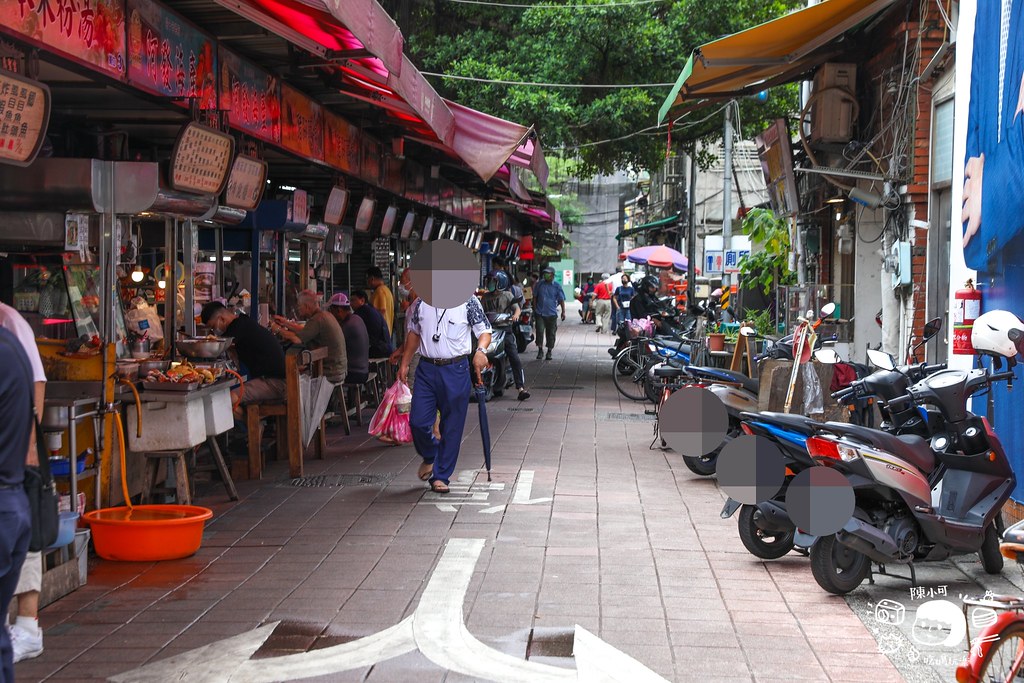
(302,124)
(251,97)
(168,56)
(91,32)
(342,145)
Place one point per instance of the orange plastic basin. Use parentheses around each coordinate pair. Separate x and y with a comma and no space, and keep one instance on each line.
(147,533)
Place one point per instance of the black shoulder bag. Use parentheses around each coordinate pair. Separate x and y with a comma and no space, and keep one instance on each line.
(41,491)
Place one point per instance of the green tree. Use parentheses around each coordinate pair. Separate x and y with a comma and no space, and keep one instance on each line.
(633,44)
(767,268)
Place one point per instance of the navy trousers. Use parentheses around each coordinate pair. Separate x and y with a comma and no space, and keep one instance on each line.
(445,388)
(15,528)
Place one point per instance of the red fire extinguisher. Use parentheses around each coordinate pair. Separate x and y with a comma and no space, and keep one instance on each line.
(966,309)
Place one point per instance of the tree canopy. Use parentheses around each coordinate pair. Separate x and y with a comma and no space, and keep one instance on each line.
(634,44)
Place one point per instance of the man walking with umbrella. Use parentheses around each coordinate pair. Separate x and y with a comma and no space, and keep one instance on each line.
(443,337)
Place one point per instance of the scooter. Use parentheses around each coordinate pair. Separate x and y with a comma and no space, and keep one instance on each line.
(523,329)
(498,372)
(766,529)
(905,511)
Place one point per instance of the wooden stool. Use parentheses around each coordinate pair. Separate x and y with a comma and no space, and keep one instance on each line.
(177,465)
(254,415)
(371,384)
(218,465)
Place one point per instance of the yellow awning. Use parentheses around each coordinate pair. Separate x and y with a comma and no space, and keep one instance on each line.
(775,52)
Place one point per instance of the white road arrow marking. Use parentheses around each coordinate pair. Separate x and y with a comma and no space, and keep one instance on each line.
(437,629)
(524,489)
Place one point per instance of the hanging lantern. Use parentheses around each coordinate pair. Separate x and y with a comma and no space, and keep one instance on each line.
(526,248)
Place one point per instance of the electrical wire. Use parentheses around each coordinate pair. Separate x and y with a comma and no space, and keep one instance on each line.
(643,131)
(536,84)
(529,6)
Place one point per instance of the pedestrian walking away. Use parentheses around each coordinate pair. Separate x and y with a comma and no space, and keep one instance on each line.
(444,380)
(547,298)
(620,301)
(500,299)
(603,304)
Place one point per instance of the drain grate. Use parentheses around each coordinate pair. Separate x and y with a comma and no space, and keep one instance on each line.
(628,417)
(519,410)
(322,481)
(560,387)
(550,643)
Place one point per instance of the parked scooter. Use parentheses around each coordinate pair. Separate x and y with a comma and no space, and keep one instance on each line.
(523,329)
(918,501)
(498,373)
(766,529)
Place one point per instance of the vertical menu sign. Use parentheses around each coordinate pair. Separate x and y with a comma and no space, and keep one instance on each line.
(168,56)
(24,116)
(201,160)
(246,183)
(90,32)
(302,124)
(251,97)
(342,147)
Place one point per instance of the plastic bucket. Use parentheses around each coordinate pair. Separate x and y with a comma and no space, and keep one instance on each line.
(147,533)
(66,532)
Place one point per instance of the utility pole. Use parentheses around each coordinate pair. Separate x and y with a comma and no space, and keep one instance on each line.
(727,194)
(691,235)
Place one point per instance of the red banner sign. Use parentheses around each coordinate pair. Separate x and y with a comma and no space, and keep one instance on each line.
(302,124)
(251,97)
(342,146)
(90,32)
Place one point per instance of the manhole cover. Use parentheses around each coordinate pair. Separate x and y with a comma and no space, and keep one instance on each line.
(365,479)
(519,410)
(560,387)
(628,417)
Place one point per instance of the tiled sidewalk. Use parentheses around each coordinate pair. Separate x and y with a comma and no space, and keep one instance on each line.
(630,548)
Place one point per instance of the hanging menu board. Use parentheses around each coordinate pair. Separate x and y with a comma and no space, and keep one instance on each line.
(251,97)
(382,255)
(201,160)
(90,32)
(169,56)
(246,183)
(302,124)
(24,116)
(342,144)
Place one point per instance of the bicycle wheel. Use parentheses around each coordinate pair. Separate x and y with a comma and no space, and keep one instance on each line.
(628,374)
(1003,660)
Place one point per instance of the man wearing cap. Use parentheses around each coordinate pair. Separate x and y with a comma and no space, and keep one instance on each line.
(444,338)
(547,297)
(603,304)
(357,339)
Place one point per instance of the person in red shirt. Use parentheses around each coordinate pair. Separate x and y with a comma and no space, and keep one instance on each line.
(603,304)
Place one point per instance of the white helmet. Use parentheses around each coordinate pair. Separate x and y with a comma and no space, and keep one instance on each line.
(998,333)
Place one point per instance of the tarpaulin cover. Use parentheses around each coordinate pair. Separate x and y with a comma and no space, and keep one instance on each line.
(378,33)
(485,142)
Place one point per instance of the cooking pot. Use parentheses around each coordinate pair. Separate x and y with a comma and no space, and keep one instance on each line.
(55,417)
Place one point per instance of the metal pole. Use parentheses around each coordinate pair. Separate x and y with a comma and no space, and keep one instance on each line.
(691,238)
(218,236)
(188,241)
(727,192)
(254,276)
(170,284)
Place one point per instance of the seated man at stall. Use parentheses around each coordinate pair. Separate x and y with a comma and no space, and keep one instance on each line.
(381,345)
(320,330)
(257,350)
(357,340)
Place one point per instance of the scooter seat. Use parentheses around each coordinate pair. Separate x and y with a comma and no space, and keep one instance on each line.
(667,371)
(751,385)
(909,447)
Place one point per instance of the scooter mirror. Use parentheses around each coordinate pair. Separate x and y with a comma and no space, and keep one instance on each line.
(881,360)
(748,331)
(828,356)
(827,310)
(931,328)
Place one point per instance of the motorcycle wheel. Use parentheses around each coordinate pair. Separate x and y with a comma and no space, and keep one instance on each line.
(521,344)
(991,558)
(837,568)
(705,465)
(498,380)
(767,545)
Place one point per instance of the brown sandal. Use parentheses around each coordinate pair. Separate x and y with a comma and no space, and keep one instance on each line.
(425,470)
(439,487)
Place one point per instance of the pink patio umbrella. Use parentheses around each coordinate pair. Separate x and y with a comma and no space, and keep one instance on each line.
(656,256)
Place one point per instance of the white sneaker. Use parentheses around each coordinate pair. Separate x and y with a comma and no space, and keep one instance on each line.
(25,644)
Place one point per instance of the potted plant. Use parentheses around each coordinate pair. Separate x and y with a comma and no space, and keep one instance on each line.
(716,338)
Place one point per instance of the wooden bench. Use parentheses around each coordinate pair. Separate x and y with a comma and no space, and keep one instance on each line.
(288,416)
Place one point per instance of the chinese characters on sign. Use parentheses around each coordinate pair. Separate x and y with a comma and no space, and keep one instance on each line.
(201,160)
(733,258)
(24,116)
(88,31)
(302,125)
(251,97)
(920,592)
(342,144)
(246,183)
(168,56)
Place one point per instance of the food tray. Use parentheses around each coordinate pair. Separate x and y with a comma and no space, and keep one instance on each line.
(170,386)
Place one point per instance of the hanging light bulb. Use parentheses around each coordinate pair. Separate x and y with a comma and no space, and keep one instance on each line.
(839,215)
(162,284)
(137,274)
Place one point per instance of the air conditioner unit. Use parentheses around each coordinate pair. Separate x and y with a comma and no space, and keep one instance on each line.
(899,260)
(832,113)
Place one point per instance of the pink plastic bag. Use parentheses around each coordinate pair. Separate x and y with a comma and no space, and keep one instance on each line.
(391,421)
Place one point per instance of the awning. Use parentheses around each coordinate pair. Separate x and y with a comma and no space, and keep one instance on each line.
(773,53)
(485,142)
(661,223)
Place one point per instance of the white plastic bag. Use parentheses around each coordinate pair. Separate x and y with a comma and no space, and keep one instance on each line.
(814,399)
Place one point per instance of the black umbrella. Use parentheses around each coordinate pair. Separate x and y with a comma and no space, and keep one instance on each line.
(485,428)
